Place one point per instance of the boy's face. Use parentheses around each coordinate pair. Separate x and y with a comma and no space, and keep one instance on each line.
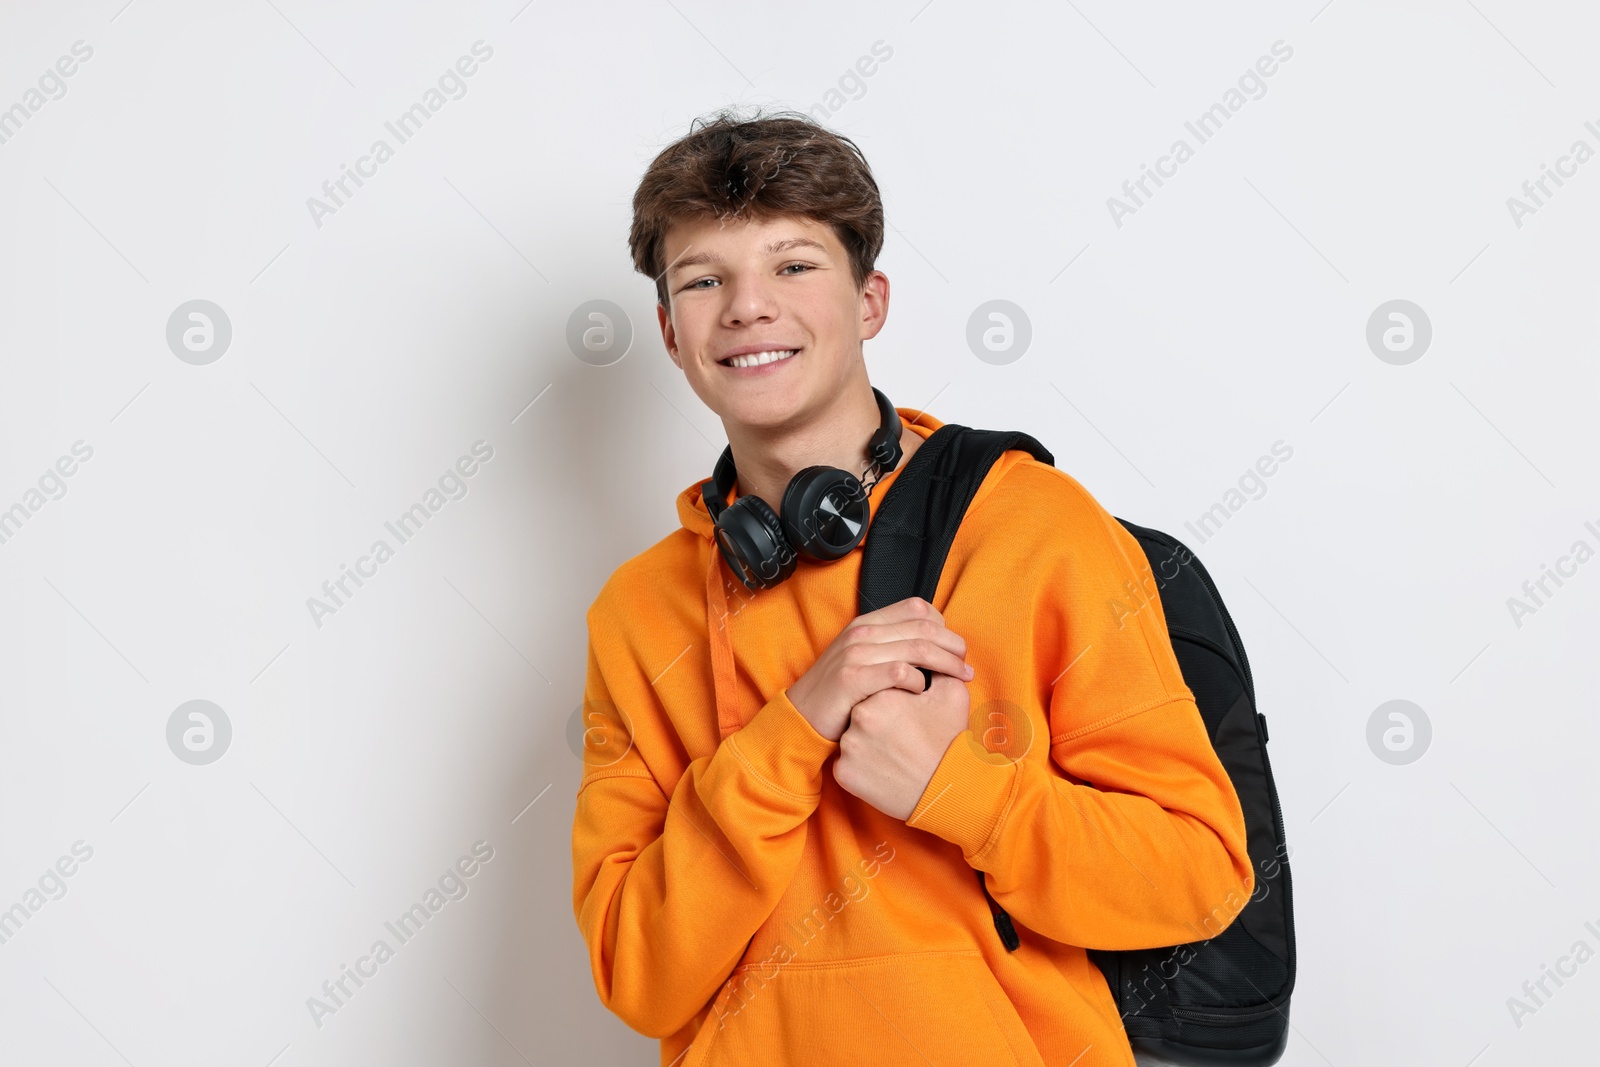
(780,283)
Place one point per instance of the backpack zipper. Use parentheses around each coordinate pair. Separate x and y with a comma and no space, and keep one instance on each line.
(1229,1017)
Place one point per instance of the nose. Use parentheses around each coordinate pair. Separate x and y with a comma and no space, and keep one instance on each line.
(749,301)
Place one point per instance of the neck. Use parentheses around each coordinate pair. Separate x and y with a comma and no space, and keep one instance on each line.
(767,458)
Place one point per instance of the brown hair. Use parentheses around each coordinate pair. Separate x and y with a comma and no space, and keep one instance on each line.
(728,167)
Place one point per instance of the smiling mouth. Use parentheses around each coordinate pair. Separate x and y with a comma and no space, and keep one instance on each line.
(757,359)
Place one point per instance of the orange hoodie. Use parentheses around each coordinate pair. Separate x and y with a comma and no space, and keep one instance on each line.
(743,908)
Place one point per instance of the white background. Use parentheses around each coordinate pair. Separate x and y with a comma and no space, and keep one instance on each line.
(370,352)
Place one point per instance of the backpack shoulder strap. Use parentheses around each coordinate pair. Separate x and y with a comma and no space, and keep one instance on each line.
(916,524)
(914,528)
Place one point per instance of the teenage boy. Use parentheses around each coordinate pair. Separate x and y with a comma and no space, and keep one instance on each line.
(784,805)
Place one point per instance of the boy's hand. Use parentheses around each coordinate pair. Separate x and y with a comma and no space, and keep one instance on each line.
(880,651)
(895,741)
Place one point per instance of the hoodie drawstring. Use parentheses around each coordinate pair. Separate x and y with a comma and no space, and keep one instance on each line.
(724,675)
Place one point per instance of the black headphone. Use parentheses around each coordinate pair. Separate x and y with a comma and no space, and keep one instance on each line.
(825,511)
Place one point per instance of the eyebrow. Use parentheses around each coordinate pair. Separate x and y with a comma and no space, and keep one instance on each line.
(772,249)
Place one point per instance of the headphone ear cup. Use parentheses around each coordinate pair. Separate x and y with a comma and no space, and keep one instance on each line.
(825,513)
(750,537)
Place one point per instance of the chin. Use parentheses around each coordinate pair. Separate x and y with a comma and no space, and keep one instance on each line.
(771,409)
(775,403)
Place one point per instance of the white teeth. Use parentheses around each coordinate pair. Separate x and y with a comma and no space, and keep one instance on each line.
(761,357)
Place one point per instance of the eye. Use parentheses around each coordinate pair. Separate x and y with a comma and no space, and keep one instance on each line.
(696,283)
(802,266)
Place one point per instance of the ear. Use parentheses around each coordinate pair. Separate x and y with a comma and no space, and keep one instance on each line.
(669,336)
(874,304)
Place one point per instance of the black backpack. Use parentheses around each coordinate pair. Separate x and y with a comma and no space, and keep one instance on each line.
(1223,1000)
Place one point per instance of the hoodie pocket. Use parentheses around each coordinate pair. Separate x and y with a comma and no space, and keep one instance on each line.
(935,1007)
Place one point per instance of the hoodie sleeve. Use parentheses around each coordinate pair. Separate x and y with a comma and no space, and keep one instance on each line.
(670,885)
(1131,834)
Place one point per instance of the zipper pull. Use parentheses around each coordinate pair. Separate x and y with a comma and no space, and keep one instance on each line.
(1002,919)
(1008,933)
